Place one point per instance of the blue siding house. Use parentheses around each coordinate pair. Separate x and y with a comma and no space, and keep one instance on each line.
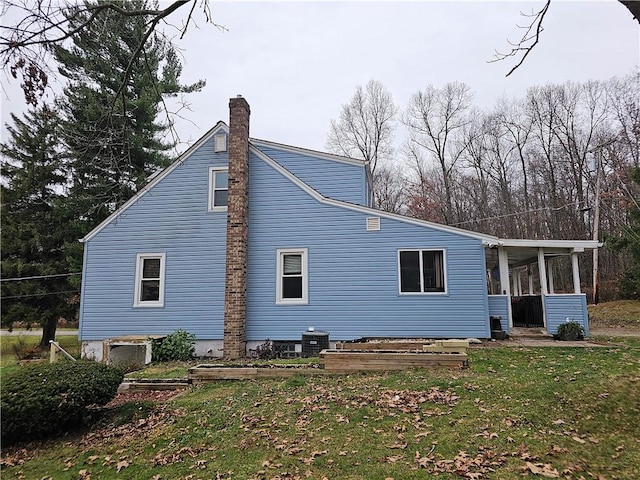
(242,240)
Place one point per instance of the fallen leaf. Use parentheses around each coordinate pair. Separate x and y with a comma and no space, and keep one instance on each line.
(579,440)
(122,464)
(546,469)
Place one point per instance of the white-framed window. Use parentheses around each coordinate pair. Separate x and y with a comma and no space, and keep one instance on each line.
(292,282)
(149,289)
(218,188)
(422,271)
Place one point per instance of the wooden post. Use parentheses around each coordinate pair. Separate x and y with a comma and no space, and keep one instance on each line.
(596,227)
(53,354)
(543,272)
(550,275)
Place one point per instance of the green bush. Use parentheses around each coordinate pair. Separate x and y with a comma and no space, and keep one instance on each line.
(177,346)
(570,331)
(51,398)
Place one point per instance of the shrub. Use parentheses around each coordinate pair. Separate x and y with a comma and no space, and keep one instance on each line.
(50,398)
(570,331)
(177,346)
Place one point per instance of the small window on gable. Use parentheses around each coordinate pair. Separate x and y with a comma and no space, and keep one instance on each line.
(422,271)
(218,188)
(292,279)
(149,288)
(220,142)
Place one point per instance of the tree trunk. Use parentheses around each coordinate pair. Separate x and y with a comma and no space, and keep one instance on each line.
(48,331)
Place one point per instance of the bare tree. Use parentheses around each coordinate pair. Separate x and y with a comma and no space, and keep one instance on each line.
(390,187)
(366,125)
(435,118)
(44,24)
(533,28)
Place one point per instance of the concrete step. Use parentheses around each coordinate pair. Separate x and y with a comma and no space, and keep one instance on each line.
(535,333)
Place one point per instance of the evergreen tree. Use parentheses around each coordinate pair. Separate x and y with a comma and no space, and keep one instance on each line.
(110,108)
(33,231)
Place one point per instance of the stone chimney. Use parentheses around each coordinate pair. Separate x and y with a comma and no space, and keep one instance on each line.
(235,294)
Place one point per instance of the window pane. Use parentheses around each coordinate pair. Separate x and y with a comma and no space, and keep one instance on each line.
(410,271)
(292,265)
(151,268)
(433,272)
(291,287)
(220,198)
(150,291)
(221,180)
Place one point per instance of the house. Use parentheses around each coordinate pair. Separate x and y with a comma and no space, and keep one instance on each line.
(242,240)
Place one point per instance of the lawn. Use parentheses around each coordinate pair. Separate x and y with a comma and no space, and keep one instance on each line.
(552,412)
(622,313)
(8,345)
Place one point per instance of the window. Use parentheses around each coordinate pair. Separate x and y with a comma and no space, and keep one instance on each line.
(292,281)
(422,271)
(149,290)
(218,188)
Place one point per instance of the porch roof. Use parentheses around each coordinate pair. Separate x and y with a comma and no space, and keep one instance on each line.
(523,252)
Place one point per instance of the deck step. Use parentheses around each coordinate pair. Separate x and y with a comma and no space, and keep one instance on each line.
(535,333)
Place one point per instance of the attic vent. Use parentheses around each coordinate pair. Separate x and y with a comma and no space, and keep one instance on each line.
(373,223)
(220,142)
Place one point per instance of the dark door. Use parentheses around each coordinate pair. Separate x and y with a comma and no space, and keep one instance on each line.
(527,311)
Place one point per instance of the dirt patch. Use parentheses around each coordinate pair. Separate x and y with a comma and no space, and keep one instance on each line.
(156,396)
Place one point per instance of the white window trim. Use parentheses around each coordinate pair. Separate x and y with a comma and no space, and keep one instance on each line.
(210,206)
(137,290)
(280,253)
(444,273)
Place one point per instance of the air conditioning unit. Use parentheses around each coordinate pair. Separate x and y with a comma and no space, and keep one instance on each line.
(313,342)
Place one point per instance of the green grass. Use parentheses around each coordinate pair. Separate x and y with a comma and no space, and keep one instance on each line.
(8,360)
(573,411)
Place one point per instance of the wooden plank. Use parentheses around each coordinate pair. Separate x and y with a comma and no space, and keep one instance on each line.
(343,361)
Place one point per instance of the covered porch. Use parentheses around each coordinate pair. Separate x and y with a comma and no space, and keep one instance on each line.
(521,277)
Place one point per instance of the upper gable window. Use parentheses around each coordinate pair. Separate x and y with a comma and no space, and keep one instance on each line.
(149,289)
(292,281)
(422,271)
(218,188)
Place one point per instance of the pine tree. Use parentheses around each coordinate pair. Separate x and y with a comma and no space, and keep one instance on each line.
(110,109)
(33,231)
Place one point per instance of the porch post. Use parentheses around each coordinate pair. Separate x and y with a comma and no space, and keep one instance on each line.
(530,277)
(514,281)
(550,274)
(543,272)
(503,261)
(576,272)
(505,288)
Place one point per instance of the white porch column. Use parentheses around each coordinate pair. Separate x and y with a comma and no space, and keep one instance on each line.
(576,272)
(514,281)
(505,288)
(503,262)
(542,272)
(530,277)
(550,275)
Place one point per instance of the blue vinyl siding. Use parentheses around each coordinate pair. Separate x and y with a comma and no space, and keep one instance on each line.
(171,218)
(353,274)
(560,307)
(332,179)
(499,307)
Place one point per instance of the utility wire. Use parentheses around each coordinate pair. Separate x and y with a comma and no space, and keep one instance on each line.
(38,294)
(37,277)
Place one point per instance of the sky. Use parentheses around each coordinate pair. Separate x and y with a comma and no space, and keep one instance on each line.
(297,63)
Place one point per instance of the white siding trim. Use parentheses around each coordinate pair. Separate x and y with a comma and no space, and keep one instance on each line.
(140,257)
(280,253)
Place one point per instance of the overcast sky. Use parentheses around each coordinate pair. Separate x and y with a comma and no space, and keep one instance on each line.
(296,63)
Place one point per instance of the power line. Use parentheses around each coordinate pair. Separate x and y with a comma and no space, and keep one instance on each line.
(38,294)
(37,277)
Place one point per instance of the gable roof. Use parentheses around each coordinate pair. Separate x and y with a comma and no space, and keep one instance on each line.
(157,178)
(221,126)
